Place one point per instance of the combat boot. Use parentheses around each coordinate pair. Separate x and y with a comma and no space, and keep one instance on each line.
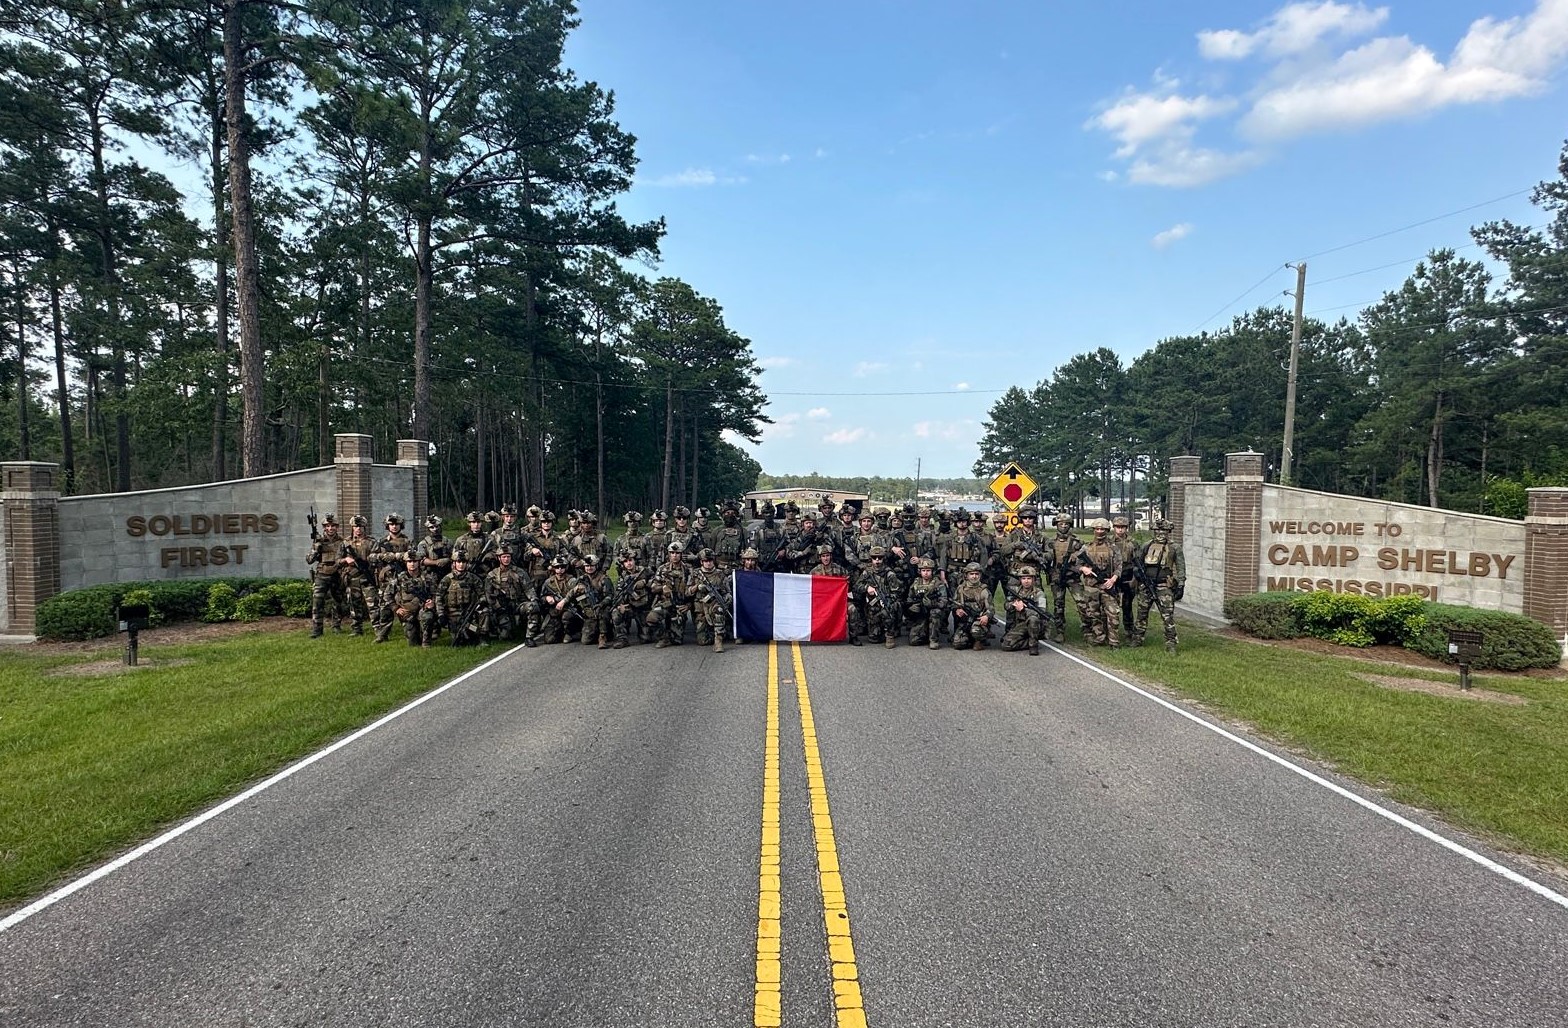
(889,641)
(619,644)
(1170,646)
(316,629)
(1034,647)
(718,644)
(357,630)
(604,642)
(934,645)
(384,632)
(980,644)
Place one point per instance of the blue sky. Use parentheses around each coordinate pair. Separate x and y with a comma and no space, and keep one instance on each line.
(899,198)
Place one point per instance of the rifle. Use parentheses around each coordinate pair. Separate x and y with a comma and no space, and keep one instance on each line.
(720,600)
(310,519)
(468,616)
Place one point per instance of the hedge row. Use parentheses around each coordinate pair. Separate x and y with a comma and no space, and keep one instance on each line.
(91,613)
(1510,642)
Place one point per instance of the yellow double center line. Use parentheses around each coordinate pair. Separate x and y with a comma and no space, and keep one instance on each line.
(769,1008)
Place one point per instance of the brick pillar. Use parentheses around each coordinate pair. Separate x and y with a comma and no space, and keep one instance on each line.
(1243,522)
(30,502)
(415,453)
(1183,470)
(1546,558)
(353,462)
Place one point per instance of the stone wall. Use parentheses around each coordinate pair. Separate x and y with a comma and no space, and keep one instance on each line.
(1203,545)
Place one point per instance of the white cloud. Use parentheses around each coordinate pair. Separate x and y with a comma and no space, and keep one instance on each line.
(819,413)
(783,426)
(1293,29)
(865,368)
(1138,119)
(694,178)
(946,430)
(753,158)
(845,436)
(1176,232)
(961,387)
(777,362)
(821,153)
(1183,167)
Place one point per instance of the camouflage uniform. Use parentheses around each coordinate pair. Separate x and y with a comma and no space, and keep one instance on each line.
(631,541)
(1026,617)
(512,601)
(728,539)
(925,606)
(656,543)
(387,561)
(411,596)
(767,539)
(473,544)
(972,614)
(828,567)
(876,593)
(1126,586)
(710,593)
(358,583)
(460,598)
(510,537)
(1064,578)
(800,550)
(543,547)
(557,594)
(435,553)
(683,533)
(590,540)
(669,586)
(594,599)
(1163,583)
(631,604)
(326,585)
(1100,566)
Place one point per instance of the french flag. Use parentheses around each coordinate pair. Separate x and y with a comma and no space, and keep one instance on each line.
(790,608)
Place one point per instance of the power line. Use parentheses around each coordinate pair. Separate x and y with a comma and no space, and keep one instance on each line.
(1418,224)
(1243,296)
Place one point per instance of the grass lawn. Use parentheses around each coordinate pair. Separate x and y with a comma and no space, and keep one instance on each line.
(95,757)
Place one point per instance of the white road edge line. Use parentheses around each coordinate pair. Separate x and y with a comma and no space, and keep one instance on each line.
(1317,779)
(12,920)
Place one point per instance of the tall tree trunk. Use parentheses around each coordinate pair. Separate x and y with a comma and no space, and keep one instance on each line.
(57,323)
(324,449)
(696,448)
(220,307)
(1434,453)
(669,441)
(423,276)
(479,458)
(24,436)
(247,273)
(109,272)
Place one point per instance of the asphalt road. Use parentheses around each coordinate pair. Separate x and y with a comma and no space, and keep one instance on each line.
(572,837)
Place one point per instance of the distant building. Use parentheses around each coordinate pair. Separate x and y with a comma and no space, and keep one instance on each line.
(806,499)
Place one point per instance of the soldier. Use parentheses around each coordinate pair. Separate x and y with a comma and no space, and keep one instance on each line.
(325,560)
(669,587)
(857,549)
(1099,567)
(411,596)
(358,584)
(594,600)
(556,595)
(702,533)
(878,598)
(800,550)
(767,539)
(513,603)
(387,560)
(543,547)
(964,546)
(1022,546)
(749,558)
(1026,617)
(474,543)
(435,553)
(972,616)
(844,535)
(534,517)
(1064,578)
(631,541)
(710,594)
(632,602)
(728,539)
(1126,585)
(789,532)
(996,571)
(590,540)
(657,542)
(691,543)
(830,568)
(925,606)
(460,598)
(1163,577)
(509,536)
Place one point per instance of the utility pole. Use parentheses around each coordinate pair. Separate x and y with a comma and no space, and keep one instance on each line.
(917,480)
(1290,381)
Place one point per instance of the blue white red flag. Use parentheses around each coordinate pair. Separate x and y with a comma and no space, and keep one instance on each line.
(790,608)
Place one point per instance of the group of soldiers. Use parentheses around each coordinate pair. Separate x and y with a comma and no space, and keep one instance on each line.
(932,575)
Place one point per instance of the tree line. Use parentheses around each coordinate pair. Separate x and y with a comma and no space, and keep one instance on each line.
(1447,391)
(396,217)
(879,488)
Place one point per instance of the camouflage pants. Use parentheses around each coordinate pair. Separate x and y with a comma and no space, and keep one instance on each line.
(667,621)
(968,631)
(628,622)
(1162,598)
(360,594)
(1059,594)
(597,625)
(711,620)
(1102,616)
(1024,629)
(555,625)
(877,620)
(421,627)
(325,589)
(925,621)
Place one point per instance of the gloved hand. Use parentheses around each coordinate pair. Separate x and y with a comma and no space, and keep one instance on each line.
(1177,590)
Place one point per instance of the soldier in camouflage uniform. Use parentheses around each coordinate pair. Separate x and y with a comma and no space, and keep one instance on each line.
(767,539)
(1163,581)
(964,546)
(691,543)
(1126,585)
(631,541)
(460,598)
(510,536)
(996,570)
(325,561)
(632,602)
(728,539)
(435,553)
(972,616)
(670,589)
(657,542)
(590,540)
(411,596)
(877,595)
(1100,567)
(925,606)
(358,583)
(474,543)
(1065,579)
(543,547)
(513,603)
(828,567)
(594,599)
(1026,617)
(387,560)
(701,530)
(800,550)
(557,594)
(710,595)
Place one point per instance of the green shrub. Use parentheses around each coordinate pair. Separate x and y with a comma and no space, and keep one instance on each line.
(90,613)
(143,597)
(255,606)
(293,597)
(1397,619)
(221,599)
(1266,615)
(1509,642)
(1338,617)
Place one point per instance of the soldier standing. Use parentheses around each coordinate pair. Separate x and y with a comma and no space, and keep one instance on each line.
(594,600)
(1127,585)
(710,593)
(1064,578)
(411,596)
(358,583)
(670,588)
(459,599)
(682,533)
(766,538)
(1026,620)
(656,543)
(435,553)
(591,540)
(509,536)
(513,603)
(387,560)
(543,548)
(325,560)
(830,568)
(474,543)
(631,541)
(925,606)
(1099,568)
(728,540)
(972,617)
(1164,581)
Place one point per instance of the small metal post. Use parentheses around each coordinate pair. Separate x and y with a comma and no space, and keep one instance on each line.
(130,647)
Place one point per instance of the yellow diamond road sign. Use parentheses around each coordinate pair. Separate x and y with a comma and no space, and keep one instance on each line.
(1013,486)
